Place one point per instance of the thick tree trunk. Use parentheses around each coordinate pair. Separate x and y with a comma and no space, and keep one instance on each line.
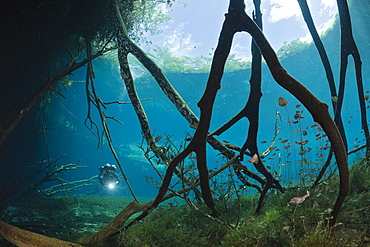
(317,109)
(23,238)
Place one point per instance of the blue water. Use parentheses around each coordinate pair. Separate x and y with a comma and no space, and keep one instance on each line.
(68,139)
(71,138)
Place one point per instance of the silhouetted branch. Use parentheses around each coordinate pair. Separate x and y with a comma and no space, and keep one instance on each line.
(25,238)
(325,61)
(330,77)
(115,226)
(32,177)
(349,47)
(11,122)
(66,186)
(127,46)
(327,164)
(95,100)
(169,149)
(318,109)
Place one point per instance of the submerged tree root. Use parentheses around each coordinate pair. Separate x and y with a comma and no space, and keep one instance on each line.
(133,207)
(23,238)
(116,224)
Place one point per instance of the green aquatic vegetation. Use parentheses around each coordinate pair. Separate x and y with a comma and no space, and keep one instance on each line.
(359,176)
(306,224)
(175,227)
(170,63)
(176,224)
(292,48)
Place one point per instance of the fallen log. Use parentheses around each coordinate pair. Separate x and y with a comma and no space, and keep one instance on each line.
(23,238)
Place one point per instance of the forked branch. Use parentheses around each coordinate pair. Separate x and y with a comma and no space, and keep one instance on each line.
(317,109)
(11,122)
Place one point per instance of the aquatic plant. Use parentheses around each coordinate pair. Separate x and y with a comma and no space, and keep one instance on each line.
(277,225)
(264,181)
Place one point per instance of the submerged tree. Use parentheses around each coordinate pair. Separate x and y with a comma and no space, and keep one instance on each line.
(236,20)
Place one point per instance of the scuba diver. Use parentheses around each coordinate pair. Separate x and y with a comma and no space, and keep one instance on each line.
(108,176)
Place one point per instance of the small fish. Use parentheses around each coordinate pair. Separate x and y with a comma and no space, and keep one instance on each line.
(316,124)
(302,143)
(297,106)
(324,148)
(298,114)
(284,141)
(263,141)
(286,147)
(366,97)
(282,101)
(304,133)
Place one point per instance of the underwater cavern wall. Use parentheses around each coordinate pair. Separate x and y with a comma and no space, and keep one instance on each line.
(70,137)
